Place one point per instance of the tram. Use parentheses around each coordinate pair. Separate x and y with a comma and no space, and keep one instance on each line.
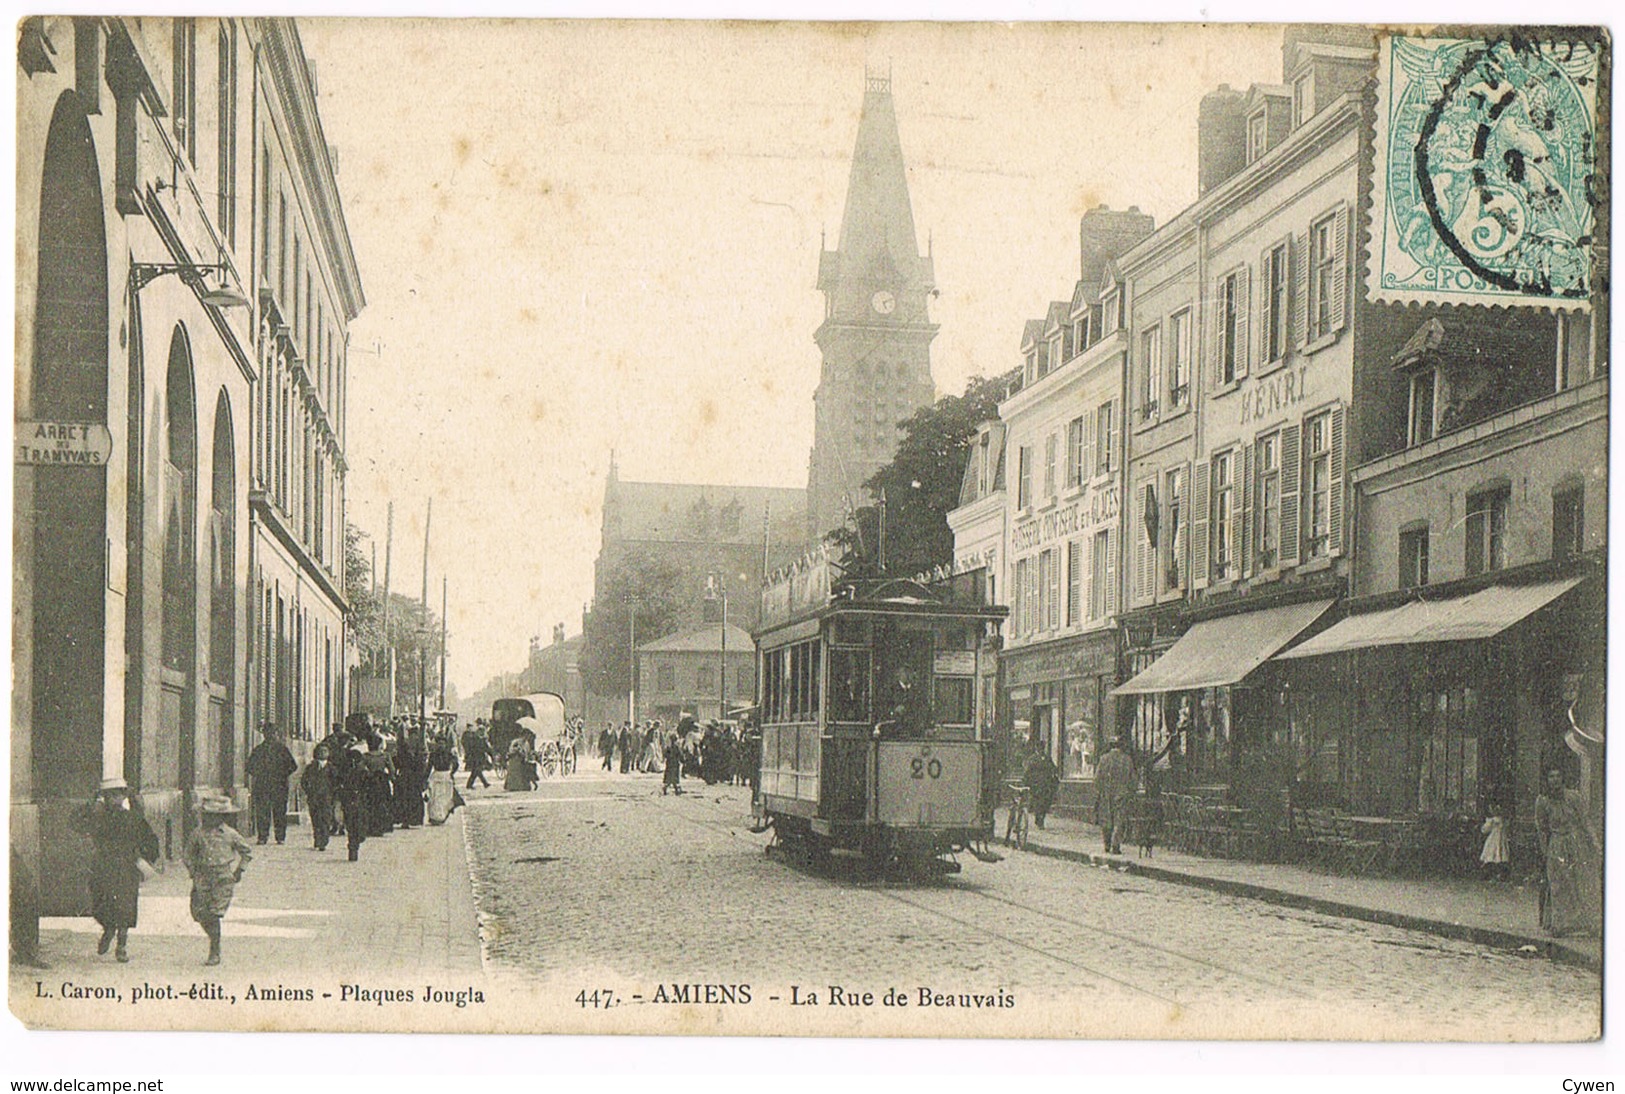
(872,740)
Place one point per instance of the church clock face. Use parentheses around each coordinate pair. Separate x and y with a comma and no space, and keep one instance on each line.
(883,302)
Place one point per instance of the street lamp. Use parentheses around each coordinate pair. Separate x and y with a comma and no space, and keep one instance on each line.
(716,588)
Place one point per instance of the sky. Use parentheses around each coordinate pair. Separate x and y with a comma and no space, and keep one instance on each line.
(578,238)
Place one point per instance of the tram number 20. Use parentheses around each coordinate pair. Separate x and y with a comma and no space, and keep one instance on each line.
(921,768)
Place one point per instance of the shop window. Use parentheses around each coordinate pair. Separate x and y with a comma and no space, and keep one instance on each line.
(1424,419)
(1080,734)
(1413,558)
(1448,725)
(1486,528)
(1568,522)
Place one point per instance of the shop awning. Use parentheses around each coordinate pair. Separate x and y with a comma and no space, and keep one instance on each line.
(1223,651)
(1483,614)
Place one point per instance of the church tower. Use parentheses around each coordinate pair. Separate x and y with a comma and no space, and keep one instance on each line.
(876,335)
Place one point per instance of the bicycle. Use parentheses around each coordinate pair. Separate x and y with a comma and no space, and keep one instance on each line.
(1016,824)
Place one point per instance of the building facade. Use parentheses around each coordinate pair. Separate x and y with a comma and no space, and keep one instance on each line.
(876,335)
(705,672)
(138,381)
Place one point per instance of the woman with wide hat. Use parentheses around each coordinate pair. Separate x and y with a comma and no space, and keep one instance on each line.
(120,838)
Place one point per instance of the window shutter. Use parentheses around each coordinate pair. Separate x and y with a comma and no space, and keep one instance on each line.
(1266,304)
(1087,464)
(1244,515)
(1086,564)
(1340,267)
(1112,544)
(1215,333)
(1299,262)
(1335,517)
(1137,536)
(1199,523)
(1055,589)
(1074,582)
(1183,539)
(1291,469)
(1244,304)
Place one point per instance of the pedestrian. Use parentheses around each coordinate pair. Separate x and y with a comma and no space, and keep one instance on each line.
(269,768)
(350,787)
(1493,857)
(216,855)
(477,755)
(606,744)
(626,744)
(378,787)
(1042,778)
(1114,789)
(411,778)
(120,840)
(671,778)
(520,767)
(1570,897)
(442,787)
(316,784)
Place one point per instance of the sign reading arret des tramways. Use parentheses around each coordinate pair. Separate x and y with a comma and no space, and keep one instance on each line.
(64,444)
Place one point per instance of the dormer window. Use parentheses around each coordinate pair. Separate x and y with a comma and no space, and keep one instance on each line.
(1112,310)
(1030,369)
(1080,333)
(1257,137)
(1303,98)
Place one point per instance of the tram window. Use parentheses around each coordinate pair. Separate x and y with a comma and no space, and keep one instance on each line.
(902,675)
(955,702)
(850,632)
(848,685)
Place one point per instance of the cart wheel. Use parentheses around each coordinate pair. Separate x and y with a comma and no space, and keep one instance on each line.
(568,763)
(550,764)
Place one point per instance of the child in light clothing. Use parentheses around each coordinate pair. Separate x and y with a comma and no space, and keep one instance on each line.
(215,857)
(1494,855)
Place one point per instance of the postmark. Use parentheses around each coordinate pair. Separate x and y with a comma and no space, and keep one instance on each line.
(1486,180)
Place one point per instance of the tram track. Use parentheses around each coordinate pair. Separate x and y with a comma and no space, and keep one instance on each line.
(983,930)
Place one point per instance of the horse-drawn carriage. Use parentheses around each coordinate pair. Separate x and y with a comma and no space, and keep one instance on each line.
(538,720)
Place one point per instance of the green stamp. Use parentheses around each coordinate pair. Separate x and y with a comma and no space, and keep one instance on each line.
(1487,170)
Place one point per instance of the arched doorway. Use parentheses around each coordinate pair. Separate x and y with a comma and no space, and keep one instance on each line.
(222,660)
(175,759)
(69,383)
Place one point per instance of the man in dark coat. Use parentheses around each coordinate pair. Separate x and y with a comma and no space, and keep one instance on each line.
(606,745)
(476,756)
(1043,779)
(316,783)
(411,779)
(269,768)
(349,786)
(626,745)
(1114,789)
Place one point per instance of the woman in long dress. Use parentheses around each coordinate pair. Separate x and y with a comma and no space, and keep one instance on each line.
(119,836)
(521,767)
(1571,898)
(442,790)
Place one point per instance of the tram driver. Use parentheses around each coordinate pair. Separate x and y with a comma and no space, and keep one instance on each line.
(907,712)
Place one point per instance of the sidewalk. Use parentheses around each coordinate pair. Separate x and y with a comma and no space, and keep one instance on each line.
(1488,913)
(405,908)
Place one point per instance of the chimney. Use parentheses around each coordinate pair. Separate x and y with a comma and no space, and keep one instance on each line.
(558,634)
(1103,234)
(1221,137)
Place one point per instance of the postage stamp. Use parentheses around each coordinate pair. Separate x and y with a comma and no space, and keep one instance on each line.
(1486,180)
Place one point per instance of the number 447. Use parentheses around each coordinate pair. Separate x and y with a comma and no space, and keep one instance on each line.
(601,998)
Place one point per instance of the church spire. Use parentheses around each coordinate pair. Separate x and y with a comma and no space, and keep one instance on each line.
(878,225)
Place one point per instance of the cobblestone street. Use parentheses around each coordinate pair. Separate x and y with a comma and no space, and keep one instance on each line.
(602,883)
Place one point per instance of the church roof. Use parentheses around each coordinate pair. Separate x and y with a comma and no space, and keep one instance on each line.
(877,229)
(703,640)
(673,512)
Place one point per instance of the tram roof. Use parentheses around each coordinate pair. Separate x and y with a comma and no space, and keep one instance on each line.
(889,598)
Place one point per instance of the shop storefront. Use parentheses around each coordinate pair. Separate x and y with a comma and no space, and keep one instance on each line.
(1449,710)
(1207,713)
(1060,693)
